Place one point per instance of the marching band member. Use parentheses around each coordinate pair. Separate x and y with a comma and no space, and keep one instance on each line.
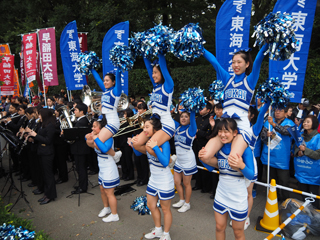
(45,138)
(108,173)
(161,99)
(185,165)
(161,184)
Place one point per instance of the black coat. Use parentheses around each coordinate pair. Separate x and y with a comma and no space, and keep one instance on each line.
(80,146)
(13,125)
(45,139)
(204,131)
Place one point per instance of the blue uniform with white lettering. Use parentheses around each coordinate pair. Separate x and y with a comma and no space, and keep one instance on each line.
(231,194)
(183,139)
(110,101)
(307,170)
(161,182)
(238,91)
(161,97)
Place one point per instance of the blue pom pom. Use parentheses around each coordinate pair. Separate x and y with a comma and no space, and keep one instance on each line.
(88,61)
(135,44)
(277,30)
(187,43)
(272,89)
(155,41)
(216,90)
(10,232)
(193,99)
(121,56)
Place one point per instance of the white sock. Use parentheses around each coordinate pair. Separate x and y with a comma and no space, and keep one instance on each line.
(106,208)
(159,228)
(165,233)
(187,203)
(182,201)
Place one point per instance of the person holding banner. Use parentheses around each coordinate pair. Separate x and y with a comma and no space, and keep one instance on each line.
(111,86)
(161,99)
(238,93)
(279,149)
(307,158)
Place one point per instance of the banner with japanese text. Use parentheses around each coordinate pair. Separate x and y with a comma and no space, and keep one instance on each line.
(5,49)
(232,30)
(16,84)
(292,72)
(22,72)
(48,54)
(7,74)
(70,49)
(83,42)
(117,35)
(30,55)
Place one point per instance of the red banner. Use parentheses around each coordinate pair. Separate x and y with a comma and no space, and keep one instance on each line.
(83,42)
(6,74)
(16,83)
(47,42)
(29,54)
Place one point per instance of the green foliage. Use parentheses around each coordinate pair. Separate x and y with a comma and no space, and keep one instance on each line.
(10,218)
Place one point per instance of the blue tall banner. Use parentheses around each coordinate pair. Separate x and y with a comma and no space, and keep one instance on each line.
(70,49)
(117,35)
(292,72)
(232,30)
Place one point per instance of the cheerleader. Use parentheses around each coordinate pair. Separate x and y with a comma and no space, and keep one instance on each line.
(111,87)
(185,165)
(108,173)
(238,93)
(161,99)
(161,184)
(231,195)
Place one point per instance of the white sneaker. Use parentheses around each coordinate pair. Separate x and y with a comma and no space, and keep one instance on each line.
(111,218)
(104,212)
(117,156)
(154,234)
(184,208)
(231,223)
(173,161)
(246,223)
(179,204)
(165,237)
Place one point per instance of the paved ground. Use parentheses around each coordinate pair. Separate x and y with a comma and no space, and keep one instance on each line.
(64,219)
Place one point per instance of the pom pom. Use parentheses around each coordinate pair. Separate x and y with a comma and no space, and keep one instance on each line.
(193,99)
(10,232)
(216,90)
(187,43)
(135,44)
(88,61)
(121,57)
(155,40)
(277,30)
(273,90)
(140,205)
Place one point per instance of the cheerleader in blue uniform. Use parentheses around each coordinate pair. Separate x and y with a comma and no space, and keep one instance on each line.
(111,87)
(231,195)
(185,165)
(161,184)
(161,99)
(238,93)
(108,173)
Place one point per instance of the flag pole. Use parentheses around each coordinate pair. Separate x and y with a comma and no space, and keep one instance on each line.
(269,143)
(40,58)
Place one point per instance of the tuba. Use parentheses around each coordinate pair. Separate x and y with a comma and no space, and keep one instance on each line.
(93,100)
(65,118)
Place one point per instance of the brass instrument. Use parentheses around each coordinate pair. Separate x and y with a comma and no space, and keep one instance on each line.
(93,100)
(65,118)
(135,120)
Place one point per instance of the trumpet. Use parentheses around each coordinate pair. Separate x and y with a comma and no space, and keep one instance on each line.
(135,120)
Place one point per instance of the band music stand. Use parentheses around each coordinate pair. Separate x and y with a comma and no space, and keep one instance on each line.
(72,134)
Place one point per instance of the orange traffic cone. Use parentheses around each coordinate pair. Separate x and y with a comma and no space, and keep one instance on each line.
(271,219)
